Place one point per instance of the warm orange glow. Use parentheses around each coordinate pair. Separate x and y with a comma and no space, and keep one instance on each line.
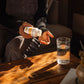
(41,63)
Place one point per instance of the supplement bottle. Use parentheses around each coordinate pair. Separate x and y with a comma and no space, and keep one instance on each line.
(33,31)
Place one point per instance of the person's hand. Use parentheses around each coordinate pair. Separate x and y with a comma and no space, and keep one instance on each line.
(21,30)
(45,37)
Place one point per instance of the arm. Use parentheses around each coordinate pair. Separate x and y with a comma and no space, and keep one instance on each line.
(43,39)
(40,22)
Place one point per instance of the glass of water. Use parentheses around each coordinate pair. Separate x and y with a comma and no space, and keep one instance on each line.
(63,50)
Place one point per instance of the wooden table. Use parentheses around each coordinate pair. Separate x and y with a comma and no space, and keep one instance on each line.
(39,69)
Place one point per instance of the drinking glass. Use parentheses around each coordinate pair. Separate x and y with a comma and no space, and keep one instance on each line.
(63,50)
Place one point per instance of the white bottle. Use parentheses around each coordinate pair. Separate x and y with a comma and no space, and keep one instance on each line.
(33,31)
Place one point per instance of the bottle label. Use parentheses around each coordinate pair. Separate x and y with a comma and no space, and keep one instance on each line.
(30,31)
(34,32)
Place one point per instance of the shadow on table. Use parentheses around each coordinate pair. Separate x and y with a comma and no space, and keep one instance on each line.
(23,63)
(41,74)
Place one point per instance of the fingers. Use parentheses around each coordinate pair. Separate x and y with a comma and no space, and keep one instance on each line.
(48,39)
(23,26)
(26,24)
(21,30)
(50,34)
(44,42)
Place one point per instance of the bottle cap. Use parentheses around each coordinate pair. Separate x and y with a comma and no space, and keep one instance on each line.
(39,32)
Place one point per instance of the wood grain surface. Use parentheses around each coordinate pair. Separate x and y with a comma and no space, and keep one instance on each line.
(39,69)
